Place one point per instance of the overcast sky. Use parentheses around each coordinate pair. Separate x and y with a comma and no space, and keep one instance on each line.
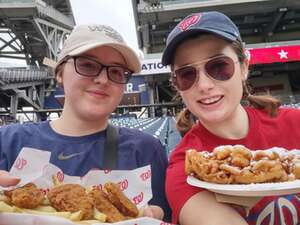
(115,13)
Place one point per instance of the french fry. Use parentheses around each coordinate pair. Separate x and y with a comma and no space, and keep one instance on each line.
(4,207)
(45,208)
(99,216)
(50,211)
(42,210)
(4,198)
(66,215)
(141,212)
(88,189)
(46,201)
(17,209)
(76,216)
(88,222)
(55,181)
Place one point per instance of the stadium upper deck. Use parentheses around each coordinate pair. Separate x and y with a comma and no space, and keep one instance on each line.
(270,29)
(259,21)
(33,29)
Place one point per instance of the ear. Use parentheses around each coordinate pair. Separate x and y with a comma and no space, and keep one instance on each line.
(59,78)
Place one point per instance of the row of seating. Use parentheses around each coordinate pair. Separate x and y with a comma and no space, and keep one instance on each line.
(292,105)
(162,128)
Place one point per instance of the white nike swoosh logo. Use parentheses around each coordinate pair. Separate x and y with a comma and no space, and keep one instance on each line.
(61,155)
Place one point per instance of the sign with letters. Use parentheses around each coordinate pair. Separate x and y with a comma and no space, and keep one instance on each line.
(153,66)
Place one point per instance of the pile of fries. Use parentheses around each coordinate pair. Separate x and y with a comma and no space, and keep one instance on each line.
(239,165)
(71,201)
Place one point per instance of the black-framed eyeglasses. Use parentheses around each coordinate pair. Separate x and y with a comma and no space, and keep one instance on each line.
(89,67)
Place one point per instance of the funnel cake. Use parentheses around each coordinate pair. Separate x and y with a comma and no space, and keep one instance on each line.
(239,165)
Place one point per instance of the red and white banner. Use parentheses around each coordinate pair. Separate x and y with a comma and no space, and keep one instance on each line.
(274,54)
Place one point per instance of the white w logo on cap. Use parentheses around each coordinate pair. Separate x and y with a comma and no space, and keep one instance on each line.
(108,31)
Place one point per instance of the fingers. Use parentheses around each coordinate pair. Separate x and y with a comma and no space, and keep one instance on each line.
(153,211)
(7,180)
(147,211)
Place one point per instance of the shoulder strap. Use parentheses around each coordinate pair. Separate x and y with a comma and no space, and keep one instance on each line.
(111,148)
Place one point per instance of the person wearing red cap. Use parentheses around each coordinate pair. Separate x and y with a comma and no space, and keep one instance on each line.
(209,69)
(93,68)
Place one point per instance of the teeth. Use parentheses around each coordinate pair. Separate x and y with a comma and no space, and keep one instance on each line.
(210,100)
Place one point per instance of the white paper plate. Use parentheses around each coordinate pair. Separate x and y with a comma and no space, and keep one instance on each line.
(264,189)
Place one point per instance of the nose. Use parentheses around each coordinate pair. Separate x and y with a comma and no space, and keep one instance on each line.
(102,76)
(204,82)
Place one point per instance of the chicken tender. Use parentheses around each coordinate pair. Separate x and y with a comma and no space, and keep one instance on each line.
(71,198)
(28,196)
(117,197)
(102,203)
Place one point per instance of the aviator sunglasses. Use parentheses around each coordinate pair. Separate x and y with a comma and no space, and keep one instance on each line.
(220,68)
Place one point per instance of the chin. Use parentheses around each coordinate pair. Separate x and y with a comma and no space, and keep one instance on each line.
(213,117)
(96,115)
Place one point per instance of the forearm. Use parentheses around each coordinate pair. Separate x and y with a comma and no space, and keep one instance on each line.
(203,208)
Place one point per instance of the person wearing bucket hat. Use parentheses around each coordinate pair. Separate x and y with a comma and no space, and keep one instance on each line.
(93,68)
(209,69)
(87,37)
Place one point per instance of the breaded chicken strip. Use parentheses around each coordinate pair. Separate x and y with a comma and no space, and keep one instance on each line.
(117,197)
(102,203)
(71,198)
(28,196)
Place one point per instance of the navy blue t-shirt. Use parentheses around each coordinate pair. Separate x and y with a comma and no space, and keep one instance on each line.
(135,149)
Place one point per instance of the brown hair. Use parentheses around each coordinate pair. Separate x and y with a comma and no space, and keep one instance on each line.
(264,102)
(60,69)
(184,122)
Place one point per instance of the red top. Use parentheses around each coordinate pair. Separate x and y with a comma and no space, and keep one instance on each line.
(264,132)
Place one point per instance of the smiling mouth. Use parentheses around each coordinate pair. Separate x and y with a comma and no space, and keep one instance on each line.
(211,101)
(97,93)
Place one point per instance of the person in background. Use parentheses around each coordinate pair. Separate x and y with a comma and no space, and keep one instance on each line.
(209,70)
(93,68)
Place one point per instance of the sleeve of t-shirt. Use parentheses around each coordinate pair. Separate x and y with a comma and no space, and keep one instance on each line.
(159,165)
(11,137)
(3,160)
